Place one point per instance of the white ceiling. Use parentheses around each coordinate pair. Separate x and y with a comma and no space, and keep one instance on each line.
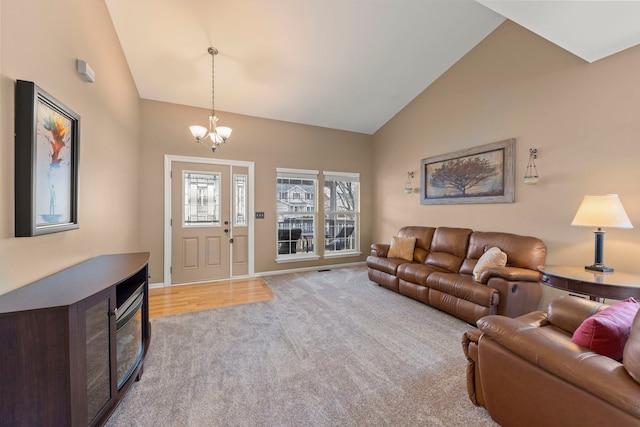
(342,64)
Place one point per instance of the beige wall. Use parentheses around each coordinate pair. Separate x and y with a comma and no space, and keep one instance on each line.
(582,118)
(270,144)
(40,42)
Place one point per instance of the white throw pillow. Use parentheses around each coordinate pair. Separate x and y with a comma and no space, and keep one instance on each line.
(494,257)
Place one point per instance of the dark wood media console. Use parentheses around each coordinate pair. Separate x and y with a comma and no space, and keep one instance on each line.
(59,347)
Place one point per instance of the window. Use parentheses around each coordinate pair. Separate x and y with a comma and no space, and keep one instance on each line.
(297,214)
(341,212)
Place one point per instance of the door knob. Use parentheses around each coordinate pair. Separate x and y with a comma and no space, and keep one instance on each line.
(226,223)
(226,230)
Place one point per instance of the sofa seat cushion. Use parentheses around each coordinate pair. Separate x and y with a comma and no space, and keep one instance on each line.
(464,287)
(416,273)
(389,281)
(387,265)
(607,332)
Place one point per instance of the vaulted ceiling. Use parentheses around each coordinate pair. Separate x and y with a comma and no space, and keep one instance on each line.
(343,64)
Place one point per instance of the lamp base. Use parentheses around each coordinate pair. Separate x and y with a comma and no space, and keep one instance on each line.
(600,268)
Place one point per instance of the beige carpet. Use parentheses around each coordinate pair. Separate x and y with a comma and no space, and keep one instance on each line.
(331,349)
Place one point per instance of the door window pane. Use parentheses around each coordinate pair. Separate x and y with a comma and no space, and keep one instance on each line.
(240,200)
(201,199)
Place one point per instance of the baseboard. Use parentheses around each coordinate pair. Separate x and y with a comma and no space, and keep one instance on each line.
(314,268)
(277,272)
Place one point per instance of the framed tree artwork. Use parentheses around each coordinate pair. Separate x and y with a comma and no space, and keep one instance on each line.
(483,174)
(46,163)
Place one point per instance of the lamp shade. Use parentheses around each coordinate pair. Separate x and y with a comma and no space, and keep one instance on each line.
(602,211)
(224,132)
(198,132)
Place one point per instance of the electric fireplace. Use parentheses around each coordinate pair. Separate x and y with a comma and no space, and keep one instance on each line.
(129,338)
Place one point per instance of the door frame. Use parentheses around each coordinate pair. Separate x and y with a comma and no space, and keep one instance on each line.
(168,160)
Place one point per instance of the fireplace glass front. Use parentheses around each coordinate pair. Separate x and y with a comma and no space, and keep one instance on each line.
(129,335)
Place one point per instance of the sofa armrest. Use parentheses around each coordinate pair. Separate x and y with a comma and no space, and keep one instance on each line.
(511,274)
(470,348)
(534,319)
(380,249)
(470,340)
(553,351)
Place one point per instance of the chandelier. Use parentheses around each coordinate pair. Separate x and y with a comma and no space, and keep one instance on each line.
(217,134)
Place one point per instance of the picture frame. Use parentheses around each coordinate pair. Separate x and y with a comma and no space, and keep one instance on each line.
(47,138)
(483,174)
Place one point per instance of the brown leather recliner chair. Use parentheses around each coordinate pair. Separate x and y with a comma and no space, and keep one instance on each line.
(527,372)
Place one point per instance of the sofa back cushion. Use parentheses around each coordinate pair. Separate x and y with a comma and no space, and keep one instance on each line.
(568,312)
(423,236)
(448,248)
(522,251)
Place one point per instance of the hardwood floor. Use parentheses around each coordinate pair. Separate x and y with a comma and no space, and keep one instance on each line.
(203,296)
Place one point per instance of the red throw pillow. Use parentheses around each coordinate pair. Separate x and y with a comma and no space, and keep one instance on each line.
(607,332)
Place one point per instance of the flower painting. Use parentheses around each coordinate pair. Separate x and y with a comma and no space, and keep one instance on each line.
(53,163)
(46,163)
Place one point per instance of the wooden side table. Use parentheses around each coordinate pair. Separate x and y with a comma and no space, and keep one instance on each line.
(596,285)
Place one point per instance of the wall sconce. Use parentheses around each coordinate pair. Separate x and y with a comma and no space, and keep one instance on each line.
(531,174)
(408,187)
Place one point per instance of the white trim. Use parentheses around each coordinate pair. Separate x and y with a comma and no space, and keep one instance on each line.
(156,285)
(272,273)
(315,268)
(297,258)
(168,160)
(341,254)
(346,176)
(296,173)
(290,170)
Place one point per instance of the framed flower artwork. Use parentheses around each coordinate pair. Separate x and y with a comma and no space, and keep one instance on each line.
(47,135)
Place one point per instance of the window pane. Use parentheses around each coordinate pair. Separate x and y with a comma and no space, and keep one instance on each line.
(341,212)
(240,200)
(296,212)
(340,196)
(295,195)
(201,199)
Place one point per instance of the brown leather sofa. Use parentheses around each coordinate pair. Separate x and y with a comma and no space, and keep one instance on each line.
(440,273)
(527,372)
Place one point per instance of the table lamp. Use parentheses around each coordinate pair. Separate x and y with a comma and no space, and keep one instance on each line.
(601,211)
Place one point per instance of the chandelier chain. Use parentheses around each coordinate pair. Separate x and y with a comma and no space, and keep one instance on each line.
(213,56)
